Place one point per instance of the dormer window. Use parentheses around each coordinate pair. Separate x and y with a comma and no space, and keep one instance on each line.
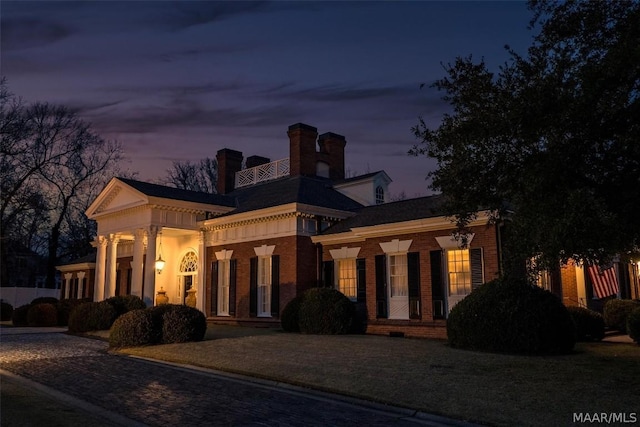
(379,195)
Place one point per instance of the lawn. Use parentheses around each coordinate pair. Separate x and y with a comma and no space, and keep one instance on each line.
(428,375)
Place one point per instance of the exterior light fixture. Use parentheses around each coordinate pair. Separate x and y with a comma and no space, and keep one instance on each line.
(160,262)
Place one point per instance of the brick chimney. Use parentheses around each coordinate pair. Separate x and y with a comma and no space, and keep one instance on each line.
(229,162)
(332,149)
(302,149)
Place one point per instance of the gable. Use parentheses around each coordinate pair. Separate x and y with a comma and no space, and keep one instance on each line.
(116,196)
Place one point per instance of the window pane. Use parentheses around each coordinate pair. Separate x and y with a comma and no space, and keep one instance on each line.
(347,282)
(459,270)
(398,275)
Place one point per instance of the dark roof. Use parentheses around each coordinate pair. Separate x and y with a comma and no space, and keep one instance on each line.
(156,190)
(91,258)
(313,191)
(404,210)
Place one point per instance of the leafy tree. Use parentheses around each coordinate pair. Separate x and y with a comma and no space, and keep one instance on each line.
(554,133)
(196,176)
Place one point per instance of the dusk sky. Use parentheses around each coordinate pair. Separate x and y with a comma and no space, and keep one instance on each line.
(181,80)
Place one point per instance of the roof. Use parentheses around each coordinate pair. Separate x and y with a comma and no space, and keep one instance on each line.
(157,190)
(313,191)
(404,210)
(359,177)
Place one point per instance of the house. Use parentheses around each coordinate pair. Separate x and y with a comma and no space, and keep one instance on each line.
(277,228)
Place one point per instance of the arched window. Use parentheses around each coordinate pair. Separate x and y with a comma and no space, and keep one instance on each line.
(189,263)
(379,195)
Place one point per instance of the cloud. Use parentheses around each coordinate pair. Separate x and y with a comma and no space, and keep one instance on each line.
(23,33)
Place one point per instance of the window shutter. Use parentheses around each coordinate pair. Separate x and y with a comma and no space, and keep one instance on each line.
(437,285)
(413,270)
(361,280)
(328,274)
(253,287)
(214,288)
(275,285)
(381,286)
(233,265)
(477,267)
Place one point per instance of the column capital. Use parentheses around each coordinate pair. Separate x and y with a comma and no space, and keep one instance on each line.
(114,238)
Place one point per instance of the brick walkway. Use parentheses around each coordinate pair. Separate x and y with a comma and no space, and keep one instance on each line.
(160,394)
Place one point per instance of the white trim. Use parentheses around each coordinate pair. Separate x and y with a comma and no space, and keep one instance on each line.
(396,246)
(450,242)
(344,253)
(224,254)
(264,250)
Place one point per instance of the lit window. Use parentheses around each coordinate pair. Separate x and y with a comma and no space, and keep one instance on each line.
(223,287)
(347,282)
(264,286)
(459,270)
(398,277)
(379,195)
(189,262)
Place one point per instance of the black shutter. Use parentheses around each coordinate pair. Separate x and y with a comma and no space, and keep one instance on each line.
(413,270)
(253,287)
(381,286)
(275,285)
(233,266)
(328,274)
(361,280)
(437,285)
(477,276)
(214,288)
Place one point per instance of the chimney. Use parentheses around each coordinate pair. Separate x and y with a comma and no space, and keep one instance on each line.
(253,161)
(302,149)
(333,145)
(229,162)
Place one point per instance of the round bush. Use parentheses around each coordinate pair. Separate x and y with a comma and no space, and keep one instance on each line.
(19,317)
(133,329)
(6,311)
(45,300)
(511,316)
(125,303)
(589,324)
(616,312)
(65,306)
(633,324)
(92,316)
(325,311)
(289,319)
(181,323)
(42,315)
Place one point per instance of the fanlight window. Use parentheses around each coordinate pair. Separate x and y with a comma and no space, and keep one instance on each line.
(189,263)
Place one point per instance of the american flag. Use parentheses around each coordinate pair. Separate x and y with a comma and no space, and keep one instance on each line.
(603,280)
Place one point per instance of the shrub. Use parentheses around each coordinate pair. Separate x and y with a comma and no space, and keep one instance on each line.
(45,300)
(65,306)
(589,324)
(19,317)
(633,324)
(92,316)
(181,323)
(157,315)
(290,315)
(325,311)
(134,328)
(616,312)
(42,314)
(6,311)
(359,322)
(125,303)
(511,316)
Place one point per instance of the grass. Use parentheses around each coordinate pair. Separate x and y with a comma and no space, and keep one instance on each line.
(427,375)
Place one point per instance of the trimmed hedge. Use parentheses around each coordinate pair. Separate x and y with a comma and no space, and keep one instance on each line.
(132,329)
(65,307)
(589,324)
(182,323)
(6,311)
(125,303)
(633,324)
(616,312)
(92,316)
(45,300)
(289,319)
(511,316)
(19,316)
(325,311)
(42,314)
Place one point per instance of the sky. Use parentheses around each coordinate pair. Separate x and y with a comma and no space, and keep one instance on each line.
(180,80)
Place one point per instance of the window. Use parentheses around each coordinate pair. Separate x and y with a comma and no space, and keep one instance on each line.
(264,286)
(398,275)
(223,287)
(189,262)
(347,279)
(459,271)
(379,195)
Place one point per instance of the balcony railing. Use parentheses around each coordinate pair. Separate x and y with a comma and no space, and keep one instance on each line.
(266,172)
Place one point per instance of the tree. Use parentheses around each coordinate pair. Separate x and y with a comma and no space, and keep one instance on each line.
(555,134)
(195,176)
(51,163)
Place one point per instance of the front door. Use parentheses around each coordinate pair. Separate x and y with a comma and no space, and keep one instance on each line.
(187,284)
(398,287)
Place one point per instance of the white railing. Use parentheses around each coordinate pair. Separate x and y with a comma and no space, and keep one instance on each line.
(266,172)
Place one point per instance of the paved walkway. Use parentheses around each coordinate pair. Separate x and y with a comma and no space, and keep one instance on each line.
(85,380)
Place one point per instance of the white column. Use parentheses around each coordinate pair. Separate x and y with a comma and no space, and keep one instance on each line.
(202,270)
(112,255)
(81,284)
(137,263)
(101,259)
(150,267)
(67,284)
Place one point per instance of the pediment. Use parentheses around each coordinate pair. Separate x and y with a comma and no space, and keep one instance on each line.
(116,196)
